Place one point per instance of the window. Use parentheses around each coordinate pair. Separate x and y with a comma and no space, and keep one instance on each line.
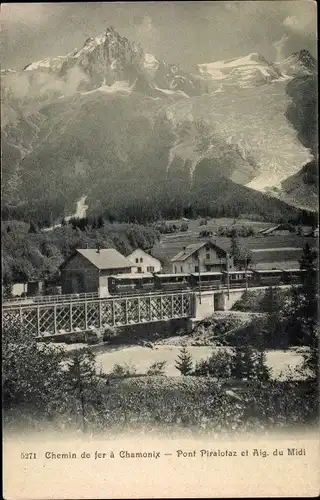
(175,269)
(181,269)
(137,260)
(150,269)
(141,259)
(207,256)
(196,269)
(139,270)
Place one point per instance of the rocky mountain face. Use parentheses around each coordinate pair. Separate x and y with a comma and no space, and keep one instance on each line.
(112,122)
(299,63)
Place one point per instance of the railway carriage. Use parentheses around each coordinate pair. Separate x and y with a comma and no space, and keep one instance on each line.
(129,283)
(292,275)
(176,281)
(267,277)
(206,280)
(237,278)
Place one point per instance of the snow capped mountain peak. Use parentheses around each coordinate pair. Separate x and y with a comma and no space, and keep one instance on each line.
(246,71)
(50,63)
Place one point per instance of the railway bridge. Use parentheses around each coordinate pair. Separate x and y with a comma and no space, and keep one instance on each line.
(70,314)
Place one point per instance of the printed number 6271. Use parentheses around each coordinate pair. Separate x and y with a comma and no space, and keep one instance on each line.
(28,455)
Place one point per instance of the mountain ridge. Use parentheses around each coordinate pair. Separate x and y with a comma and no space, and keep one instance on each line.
(110,102)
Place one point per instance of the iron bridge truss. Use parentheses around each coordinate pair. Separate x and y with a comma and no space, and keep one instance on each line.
(60,318)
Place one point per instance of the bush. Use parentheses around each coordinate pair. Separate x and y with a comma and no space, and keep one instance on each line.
(241,363)
(157,368)
(205,234)
(109,333)
(125,370)
(218,365)
(203,222)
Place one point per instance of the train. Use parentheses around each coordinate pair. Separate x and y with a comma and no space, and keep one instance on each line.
(149,282)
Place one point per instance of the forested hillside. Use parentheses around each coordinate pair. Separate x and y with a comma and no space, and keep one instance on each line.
(28,253)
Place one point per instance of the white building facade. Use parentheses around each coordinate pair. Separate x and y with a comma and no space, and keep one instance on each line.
(203,257)
(143,262)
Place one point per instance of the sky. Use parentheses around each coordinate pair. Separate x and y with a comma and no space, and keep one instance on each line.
(185,33)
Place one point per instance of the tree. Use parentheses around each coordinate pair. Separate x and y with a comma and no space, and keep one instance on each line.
(33,378)
(7,290)
(94,223)
(249,363)
(84,384)
(307,313)
(218,365)
(302,312)
(33,228)
(273,303)
(100,221)
(184,362)
(234,246)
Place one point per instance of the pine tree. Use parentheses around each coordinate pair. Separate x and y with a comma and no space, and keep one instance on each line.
(33,228)
(249,363)
(273,329)
(303,313)
(84,383)
(94,223)
(234,246)
(306,308)
(100,221)
(184,362)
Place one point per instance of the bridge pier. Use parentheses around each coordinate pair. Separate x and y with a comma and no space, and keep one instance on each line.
(208,302)
(203,305)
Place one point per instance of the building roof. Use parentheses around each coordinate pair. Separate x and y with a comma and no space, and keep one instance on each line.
(238,271)
(106,258)
(284,265)
(171,275)
(194,247)
(207,273)
(269,229)
(281,249)
(267,271)
(143,251)
(272,256)
(131,276)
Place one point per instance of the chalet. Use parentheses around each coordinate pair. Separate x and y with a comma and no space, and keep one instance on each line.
(87,270)
(279,230)
(275,258)
(203,257)
(143,262)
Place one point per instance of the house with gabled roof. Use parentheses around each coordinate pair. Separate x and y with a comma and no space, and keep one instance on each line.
(205,256)
(87,270)
(144,262)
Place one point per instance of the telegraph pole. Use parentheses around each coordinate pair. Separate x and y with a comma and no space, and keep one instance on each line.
(228,282)
(245,270)
(199,275)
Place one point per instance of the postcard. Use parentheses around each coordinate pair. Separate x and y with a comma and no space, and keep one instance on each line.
(159,230)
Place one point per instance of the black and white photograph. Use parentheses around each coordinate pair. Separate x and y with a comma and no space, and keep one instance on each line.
(159,230)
